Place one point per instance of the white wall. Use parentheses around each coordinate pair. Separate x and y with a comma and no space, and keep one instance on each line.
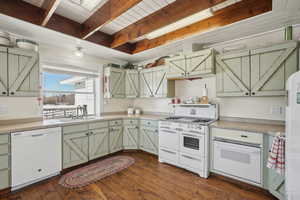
(245,107)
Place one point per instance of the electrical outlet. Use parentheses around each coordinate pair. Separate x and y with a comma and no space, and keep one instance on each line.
(277,110)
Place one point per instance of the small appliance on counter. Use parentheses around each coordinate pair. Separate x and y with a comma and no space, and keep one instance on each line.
(138,111)
(130,110)
(204,98)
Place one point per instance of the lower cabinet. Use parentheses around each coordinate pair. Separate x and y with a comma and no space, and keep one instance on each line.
(131,137)
(4,162)
(149,138)
(98,143)
(115,139)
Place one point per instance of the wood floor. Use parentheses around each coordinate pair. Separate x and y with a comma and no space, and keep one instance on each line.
(147,179)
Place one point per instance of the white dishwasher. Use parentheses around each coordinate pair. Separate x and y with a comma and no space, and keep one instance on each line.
(36,155)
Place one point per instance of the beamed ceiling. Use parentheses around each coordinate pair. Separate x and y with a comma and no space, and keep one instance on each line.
(123,24)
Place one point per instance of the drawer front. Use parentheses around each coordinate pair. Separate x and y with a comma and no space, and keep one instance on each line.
(115,123)
(242,136)
(4,149)
(98,125)
(4,139)
(153,123)
(4,164)
(4,179)
(75,128)
(168,155)
(131,122)
(192,162)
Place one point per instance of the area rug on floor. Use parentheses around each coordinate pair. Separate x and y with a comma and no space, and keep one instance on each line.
(96,171)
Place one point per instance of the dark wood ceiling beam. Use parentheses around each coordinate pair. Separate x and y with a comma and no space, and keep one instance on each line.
(108,12)
(50,7)
(234,13)
(35,15)
(163,17)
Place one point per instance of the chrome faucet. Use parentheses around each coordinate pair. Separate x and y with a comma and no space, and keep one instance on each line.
(81,112)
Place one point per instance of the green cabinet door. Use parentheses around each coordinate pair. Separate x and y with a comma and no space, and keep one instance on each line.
(149,139)
(3,72)
(200,63)
(176,67)
(146,83)
(23,72)
(132,86)
(233,74)
(98,143)
(131,137)
(115,139)
(271,67)
(75,148)
(114,83)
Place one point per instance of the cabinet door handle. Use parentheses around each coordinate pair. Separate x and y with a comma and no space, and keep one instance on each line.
(87,134)
(253,93)
(12,93)
(3,92)
(247,94)
(244,136)
(91,132)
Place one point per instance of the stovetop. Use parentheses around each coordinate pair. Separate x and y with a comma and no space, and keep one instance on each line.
(190,120)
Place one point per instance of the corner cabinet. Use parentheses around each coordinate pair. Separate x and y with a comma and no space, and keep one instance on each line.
(114,82)
(258,72)
(20,72)
(196,64)
(154,83)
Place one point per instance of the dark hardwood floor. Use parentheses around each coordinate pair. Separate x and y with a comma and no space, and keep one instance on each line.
(147,179)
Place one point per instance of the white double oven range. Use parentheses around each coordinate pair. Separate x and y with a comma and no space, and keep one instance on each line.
(184,137)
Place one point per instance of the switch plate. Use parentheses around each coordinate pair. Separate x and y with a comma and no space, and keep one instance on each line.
(3,109)
(277,110)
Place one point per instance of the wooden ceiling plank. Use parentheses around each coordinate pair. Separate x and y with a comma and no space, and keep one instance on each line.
(234,13)
(33,14)
(163,17)
(50,7)
(108,12)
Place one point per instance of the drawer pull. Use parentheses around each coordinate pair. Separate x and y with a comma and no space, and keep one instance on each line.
(171,152)
(189,157)
(244,136)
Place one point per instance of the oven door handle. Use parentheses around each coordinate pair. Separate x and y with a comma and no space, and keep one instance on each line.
(223,140)
(189,135)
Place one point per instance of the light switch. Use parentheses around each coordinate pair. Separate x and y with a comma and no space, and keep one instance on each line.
(3,109)
(277,110)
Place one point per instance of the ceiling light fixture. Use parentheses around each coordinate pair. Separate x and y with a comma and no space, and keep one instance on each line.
(181,23)
(78,52)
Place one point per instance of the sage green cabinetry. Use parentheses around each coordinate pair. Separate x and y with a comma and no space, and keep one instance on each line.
(258,72)
(115,136)
(149,136)
(114,82)
(274,182)
(19,72)
(132,84)
(4,161)
(84,142)
(154,83)
(196,64)
(131,134)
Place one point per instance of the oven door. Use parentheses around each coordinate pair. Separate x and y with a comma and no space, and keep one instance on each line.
(241,161)
(192,144)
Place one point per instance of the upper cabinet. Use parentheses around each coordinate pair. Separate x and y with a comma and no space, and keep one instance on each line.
(259,72)
(20,73)
(132,84)
(196,64)
(114,82)
(154,83)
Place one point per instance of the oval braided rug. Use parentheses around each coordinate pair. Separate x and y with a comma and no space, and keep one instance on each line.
(96,171)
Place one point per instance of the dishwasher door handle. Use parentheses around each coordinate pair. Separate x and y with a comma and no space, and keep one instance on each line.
(39,135)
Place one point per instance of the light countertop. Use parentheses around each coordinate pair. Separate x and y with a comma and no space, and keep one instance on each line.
(269,129)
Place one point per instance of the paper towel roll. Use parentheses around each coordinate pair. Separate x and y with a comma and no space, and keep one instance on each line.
(204,92)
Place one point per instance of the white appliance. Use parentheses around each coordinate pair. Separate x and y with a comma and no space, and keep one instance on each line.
(236,158)
(293,138)
(183,138)
(36,155)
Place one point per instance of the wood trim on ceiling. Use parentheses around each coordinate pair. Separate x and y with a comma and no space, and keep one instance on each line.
(50,6)
(27,12)
(108,12)
(234,13)
(163,17)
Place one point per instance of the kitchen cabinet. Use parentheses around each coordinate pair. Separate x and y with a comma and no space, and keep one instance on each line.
(132,86)
(84,142)
(3,72)
(115,139)
(114,82)
(274,182)
(233,74)
(258,72)
(192,65)
(131,136)
(20,73)
(154,83)
(4,161)
(149,136)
